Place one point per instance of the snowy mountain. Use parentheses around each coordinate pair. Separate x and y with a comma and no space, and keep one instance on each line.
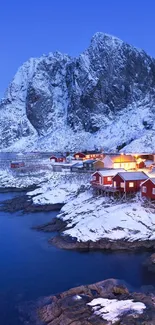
(103,98)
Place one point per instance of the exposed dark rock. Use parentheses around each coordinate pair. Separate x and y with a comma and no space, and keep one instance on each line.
(55,225)
(150,263)
(69,243)
(25,204)
(18,189)
(71,308)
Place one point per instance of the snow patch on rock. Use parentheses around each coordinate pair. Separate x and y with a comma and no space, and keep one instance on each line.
(112,309)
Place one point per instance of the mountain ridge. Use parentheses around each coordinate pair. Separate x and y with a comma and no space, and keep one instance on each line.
(103,98)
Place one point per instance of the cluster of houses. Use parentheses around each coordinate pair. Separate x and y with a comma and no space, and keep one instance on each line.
(117,173)
(124,182)
(91,161)
(111,173)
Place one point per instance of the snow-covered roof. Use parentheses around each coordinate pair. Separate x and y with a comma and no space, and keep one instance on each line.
(78,165)
(151,179)
(93,152)
(90,161)
(109,172)
(57,155)
(133,176)
(17,162)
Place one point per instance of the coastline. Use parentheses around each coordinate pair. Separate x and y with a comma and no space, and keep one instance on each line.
(75,306)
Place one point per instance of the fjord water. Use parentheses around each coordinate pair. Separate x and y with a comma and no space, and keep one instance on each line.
(31,268)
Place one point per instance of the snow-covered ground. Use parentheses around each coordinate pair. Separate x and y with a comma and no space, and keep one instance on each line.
(112,309)
(93,218)
(9,179)
(60,188)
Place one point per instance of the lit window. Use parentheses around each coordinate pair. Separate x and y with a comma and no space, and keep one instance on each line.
(144,189)
(77,156)
(94,178)
(153,191)
(131,184)
(109,179)
(122,184)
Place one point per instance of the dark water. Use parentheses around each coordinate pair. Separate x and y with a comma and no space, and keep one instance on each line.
(30,268)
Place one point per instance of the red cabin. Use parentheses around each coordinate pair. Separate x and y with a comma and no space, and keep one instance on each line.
(17,164)
(104,177)
(129,181)
(88,155)
(79,155)
(58,159)
(148,188)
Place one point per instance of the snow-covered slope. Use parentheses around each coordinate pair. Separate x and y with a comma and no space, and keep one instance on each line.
(103,98)
(95,218)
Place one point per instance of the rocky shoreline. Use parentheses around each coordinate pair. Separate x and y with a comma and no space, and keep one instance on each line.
(25,203)
(70,243)
(18,189)
(73,307)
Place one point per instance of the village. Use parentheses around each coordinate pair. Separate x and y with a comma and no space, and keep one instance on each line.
(119,175)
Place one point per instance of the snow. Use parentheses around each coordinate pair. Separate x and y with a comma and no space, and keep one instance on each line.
(112,309)
(77,297)
(10,179)
(48,77)
(61,188)
(93,218)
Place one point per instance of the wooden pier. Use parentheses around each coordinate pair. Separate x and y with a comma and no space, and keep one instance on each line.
(106,190)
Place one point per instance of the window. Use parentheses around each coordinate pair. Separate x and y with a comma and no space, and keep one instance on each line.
(94,178)
(114,183)
(122,184)
(153,191)
(109,179)
(77,156)
(144,189)
(131,184)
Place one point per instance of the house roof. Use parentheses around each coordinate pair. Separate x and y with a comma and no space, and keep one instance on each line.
(151,179)
(133,176)
(110,172)
(79,153)
(78,165)
(122,158)
(90,161)
(95,152)
(57,155)
(17,162)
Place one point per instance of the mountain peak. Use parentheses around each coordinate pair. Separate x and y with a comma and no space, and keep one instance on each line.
(106,96)
(107,39)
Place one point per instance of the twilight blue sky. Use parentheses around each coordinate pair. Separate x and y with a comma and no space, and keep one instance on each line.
(29,28)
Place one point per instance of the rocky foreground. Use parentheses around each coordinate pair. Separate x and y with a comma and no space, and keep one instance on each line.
(104,303)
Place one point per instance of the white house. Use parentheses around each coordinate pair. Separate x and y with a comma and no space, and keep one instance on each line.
(120,161)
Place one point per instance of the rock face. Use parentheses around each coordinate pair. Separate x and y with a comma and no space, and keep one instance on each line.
(150,263)
(106,95)
(74,306)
